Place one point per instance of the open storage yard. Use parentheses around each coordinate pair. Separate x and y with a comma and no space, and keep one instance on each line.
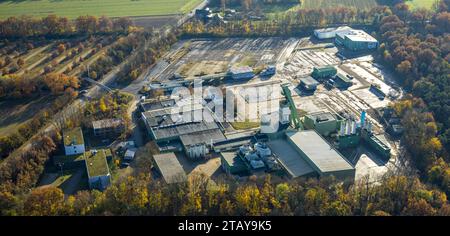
(113,8)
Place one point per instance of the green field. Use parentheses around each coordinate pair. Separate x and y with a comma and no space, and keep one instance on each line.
(112,8)
(414,4)
(343,3)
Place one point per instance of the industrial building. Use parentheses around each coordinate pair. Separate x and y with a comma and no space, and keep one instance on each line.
(309,83)
(73,141)
(232,164)
(153,104)
(174,131)
(108,127)
(320,155)
(293,164)
(355,40)
(97,168)
(269,71)
(324,123)
(328,33)
(323,72)
(243,72)
(342,81)
(170,168)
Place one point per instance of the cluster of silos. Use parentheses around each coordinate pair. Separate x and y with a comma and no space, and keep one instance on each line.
(270,122)
(258,156)
(348,127)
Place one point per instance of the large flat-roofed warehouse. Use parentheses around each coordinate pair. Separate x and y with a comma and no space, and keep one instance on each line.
(294,165)
(356,40)
(320,155)
(170,168)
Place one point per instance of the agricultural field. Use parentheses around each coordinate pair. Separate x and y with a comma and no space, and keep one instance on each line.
(360,4)
(111,8)
(428,4)
(15,113)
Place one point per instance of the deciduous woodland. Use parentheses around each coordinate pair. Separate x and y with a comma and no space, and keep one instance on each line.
(415,44)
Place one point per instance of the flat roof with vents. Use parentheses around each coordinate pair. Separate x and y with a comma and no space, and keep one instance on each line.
(318,153)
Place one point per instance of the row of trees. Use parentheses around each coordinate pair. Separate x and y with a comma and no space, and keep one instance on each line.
(14,86)
(52,25)
(298,22)
(142,196)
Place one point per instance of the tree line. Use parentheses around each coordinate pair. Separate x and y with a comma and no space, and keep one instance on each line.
(55,26)
(292,23)
(141,195)
(419,51)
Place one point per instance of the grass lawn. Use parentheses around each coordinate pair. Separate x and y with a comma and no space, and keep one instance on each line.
(13,113)
(428,4)
(240,125)
(112,8)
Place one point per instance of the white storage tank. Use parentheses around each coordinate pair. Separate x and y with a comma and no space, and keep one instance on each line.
(269,123)
(262,150)
(285,112)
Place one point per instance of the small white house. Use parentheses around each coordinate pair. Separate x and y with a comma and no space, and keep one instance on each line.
(73,141)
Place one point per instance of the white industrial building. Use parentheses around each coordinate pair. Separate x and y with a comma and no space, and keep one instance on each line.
(329,33)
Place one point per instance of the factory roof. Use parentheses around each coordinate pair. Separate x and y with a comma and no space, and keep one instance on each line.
(309,81)
(325,68)
(321,117)
(205,136)
(232,159)
(318,152)
(96,162)
(157,104)
(289,158)
(356,35)
(332,29)
(107,123)
(173,115)
(170,168)
(73,137)
(181,129)
(241,70)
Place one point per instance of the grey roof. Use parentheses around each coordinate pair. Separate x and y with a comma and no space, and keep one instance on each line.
(309,81)
(181,129)
(157,104)
(165,116)
(318,151)
(321,117)
(289,158)
(356,35)
(205,136)
(170,168)
(232,159)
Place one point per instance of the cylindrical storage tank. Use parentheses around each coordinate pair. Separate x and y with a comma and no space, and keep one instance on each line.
(284,115)
(269,123)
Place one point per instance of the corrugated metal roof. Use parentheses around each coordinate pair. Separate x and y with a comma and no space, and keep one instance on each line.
(170,168)
(289,158)
(205,136)
(318,151)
